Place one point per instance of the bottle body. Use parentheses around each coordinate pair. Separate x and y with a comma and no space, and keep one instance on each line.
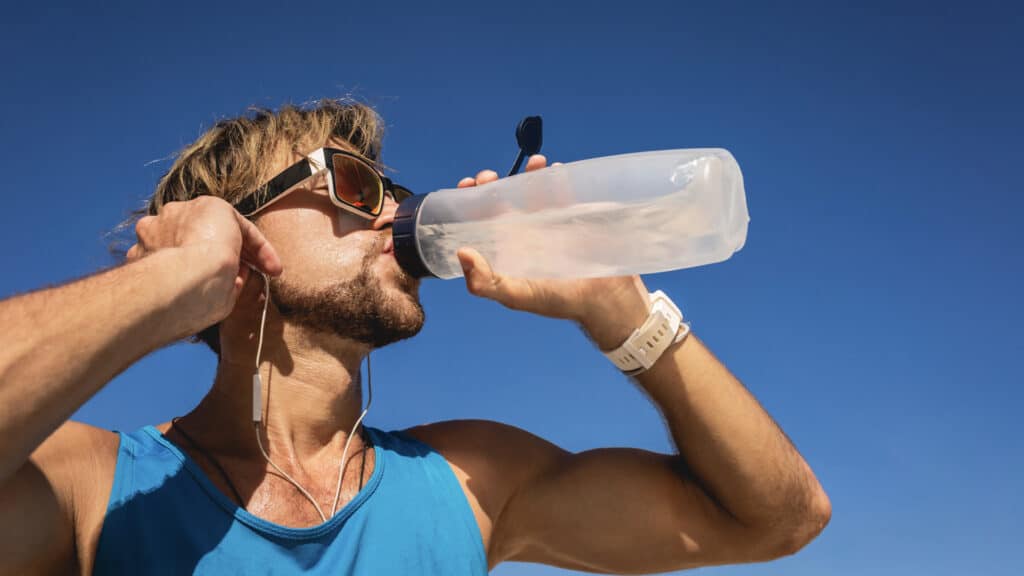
(629,214)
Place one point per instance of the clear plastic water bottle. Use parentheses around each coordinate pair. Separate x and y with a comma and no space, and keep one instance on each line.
(628,214)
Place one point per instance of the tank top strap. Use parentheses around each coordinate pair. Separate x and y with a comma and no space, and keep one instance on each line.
(423,490)
(142,466)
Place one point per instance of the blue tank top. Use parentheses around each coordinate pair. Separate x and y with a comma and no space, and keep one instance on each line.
(166,517)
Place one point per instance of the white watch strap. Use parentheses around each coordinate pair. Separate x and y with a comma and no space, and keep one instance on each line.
(663,327)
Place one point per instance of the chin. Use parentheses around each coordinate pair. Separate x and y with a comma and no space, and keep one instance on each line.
(404,316)
(378,306)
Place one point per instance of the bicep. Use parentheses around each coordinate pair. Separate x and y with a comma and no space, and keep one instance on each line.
(615,510)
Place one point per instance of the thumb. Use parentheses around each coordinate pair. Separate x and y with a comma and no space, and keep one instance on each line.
(480,279)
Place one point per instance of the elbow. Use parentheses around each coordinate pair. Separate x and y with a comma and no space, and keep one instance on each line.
(792,534)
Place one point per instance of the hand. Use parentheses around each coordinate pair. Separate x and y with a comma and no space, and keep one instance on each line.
(222,244)
(608,309)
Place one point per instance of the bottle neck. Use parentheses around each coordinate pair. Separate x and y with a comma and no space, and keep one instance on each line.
(403,232)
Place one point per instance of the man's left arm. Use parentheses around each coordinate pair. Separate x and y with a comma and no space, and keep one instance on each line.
(736,491)
(728,442)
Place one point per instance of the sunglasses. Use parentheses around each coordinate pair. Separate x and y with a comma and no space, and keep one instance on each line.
(353,184)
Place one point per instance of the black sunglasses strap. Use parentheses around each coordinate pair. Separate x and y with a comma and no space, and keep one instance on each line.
(268,192)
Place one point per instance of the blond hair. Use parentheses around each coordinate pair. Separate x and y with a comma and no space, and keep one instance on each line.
(232,159)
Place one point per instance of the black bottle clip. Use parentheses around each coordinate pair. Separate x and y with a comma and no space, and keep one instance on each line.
(530,137)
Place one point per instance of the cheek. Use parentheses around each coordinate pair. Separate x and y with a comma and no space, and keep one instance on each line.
(312,250)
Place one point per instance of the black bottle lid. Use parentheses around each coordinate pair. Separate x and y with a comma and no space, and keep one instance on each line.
(403,232)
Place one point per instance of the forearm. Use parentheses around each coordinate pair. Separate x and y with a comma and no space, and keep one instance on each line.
(729,443)
(728,440)
(59,346)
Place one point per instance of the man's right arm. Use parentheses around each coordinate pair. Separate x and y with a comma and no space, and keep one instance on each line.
(59,346)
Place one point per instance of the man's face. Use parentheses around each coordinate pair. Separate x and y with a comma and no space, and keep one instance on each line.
(340,276)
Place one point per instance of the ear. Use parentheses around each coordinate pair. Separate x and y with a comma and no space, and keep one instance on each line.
(250,298)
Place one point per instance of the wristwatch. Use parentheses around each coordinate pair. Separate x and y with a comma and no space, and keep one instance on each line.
(663,328)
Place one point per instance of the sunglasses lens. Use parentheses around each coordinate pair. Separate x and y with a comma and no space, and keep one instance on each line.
(357,185)
(400,192)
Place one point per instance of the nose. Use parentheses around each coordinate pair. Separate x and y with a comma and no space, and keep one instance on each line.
(387,214)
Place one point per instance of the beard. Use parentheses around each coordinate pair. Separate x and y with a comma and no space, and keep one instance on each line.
(359,309)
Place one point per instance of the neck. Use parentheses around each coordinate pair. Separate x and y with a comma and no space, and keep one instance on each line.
(311,388)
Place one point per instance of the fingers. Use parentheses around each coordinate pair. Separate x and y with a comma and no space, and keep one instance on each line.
(134,253)
(256,249)
(482,177)
(142,231)
(485,176)
(536,162)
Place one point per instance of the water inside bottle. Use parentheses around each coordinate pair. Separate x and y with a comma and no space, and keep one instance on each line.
(595,239)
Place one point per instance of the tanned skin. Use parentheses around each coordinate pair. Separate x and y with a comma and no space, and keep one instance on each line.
(736,489)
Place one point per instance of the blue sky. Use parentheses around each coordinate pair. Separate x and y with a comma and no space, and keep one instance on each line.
(874,311)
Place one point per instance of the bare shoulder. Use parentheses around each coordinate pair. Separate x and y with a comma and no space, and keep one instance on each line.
(78,460)
(484,443)
(52,507)
(491,460)
(75,442)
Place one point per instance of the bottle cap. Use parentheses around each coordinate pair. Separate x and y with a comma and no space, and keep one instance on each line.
(403,232)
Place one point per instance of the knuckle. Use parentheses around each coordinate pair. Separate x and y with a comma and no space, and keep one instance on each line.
(207,200)
(136,252)
(143,224)
(171,209)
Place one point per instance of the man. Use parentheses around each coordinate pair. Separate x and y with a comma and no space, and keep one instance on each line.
(249,481)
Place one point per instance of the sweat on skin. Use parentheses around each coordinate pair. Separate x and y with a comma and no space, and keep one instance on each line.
(736,490)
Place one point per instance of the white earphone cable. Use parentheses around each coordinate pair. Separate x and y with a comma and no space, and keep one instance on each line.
(344,453)
(257,413)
